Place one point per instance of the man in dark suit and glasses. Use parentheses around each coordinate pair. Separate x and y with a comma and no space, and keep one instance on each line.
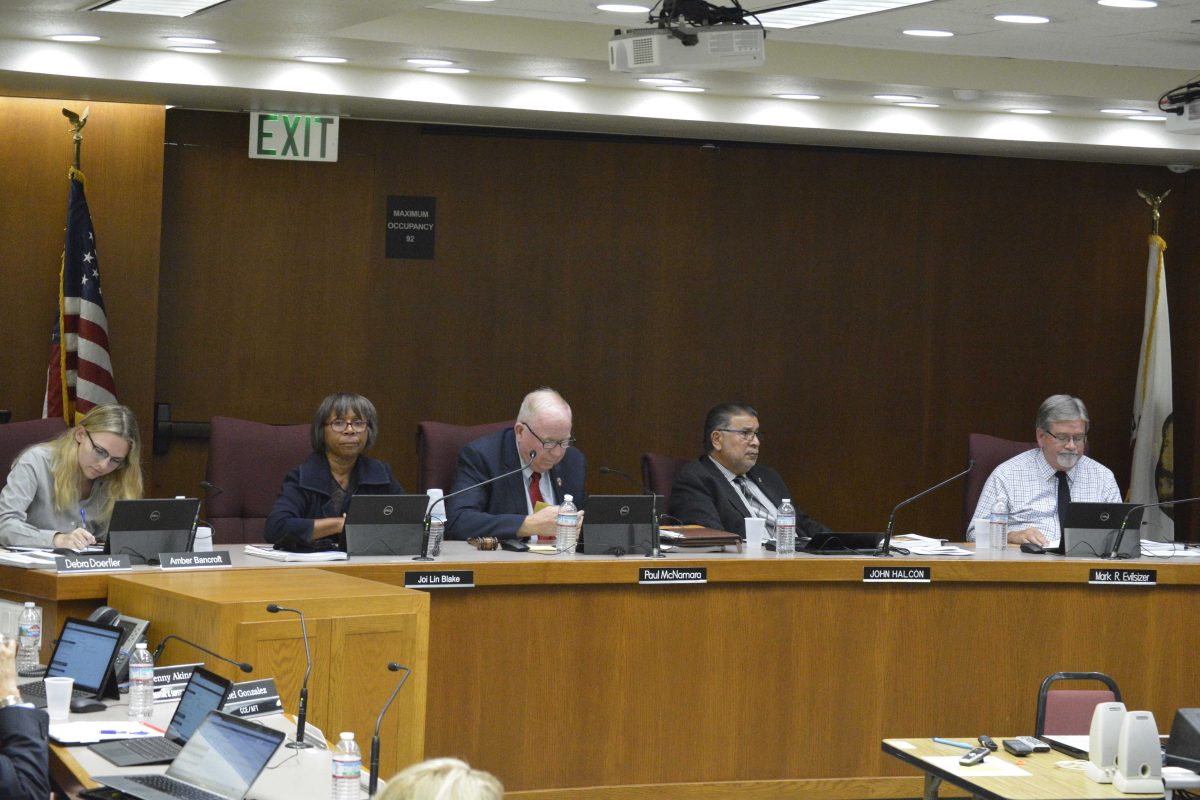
(24,750)
(727,484)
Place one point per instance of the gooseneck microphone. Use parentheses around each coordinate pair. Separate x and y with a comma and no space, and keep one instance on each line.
(302,711)
(210,490)
(429,514)
(1116,550)
(242,665)
(655,539)
(885,547)
(373,784)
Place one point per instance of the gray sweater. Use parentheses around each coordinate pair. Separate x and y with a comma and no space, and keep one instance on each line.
(27,513)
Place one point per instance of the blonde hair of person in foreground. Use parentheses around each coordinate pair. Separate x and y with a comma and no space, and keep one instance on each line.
(442,779)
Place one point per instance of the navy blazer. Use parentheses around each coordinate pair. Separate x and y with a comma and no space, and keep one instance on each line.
(24,754)
(701,495)
(305,497)
(499,508)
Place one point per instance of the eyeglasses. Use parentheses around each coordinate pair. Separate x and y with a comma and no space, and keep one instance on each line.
(103,455)
(1063,438)
(550,444)
(745,434)
(356,425)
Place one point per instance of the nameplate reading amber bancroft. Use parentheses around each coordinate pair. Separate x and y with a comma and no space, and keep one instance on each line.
(210,560)
(897,574)
(96,563)
(671,575)
(440,579)
(1116,576)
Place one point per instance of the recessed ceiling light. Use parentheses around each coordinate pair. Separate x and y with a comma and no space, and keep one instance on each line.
(323,59)
(195,49)
(1149,118)
(927,32)
(75,37)
(564,79)
(1021,19)
(686,89)
(662,81)
(429,62)
(920,105)
(192,40)
(447,70)
(897,98)
(1029,111)
(623,8)
(828,11)
(1125,111)
(162,8)
(799,96)
(1128,3)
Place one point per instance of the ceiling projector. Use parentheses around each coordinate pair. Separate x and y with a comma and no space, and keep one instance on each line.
(681,46)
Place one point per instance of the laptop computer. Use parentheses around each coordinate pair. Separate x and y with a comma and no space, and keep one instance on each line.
(618,524)
(1090,530)
(142,529)
(832,544)
(220,761)
(386,524)
(85,651)
(204,692)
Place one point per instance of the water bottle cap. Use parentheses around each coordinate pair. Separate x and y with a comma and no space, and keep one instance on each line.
(567,498)
(787,499)
(347,735)
(141,645)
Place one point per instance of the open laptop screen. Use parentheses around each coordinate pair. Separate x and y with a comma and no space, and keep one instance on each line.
(84,652)
(225,755)
(203,693)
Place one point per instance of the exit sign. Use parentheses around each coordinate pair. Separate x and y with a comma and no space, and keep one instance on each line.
(293,137)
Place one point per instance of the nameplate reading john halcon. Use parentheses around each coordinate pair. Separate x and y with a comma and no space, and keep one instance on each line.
(212,560)
(97,563)
(897,574)
(440,579)
(671,575)
(1123,577)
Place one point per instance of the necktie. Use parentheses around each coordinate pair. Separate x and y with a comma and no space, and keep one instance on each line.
(535,489)
(1064,497)
(755,505)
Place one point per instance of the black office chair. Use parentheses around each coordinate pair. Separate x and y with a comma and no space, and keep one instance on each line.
(1068,712)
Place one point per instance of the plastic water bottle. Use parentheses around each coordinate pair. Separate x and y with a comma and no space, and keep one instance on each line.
(566,531)
(437,521)
(141,683)
(999,526)
(785,529)
(29,637)
(347,768)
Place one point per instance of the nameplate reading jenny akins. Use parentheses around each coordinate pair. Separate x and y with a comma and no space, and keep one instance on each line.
(439,579)
(411,227)
(897,574)
(96,563)
(659,575)
(1123,577)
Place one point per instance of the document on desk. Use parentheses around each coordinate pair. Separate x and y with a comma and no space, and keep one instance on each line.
(918,545)
(261,551)
(1168,549)
(100,731)
(990,767)
(29,560)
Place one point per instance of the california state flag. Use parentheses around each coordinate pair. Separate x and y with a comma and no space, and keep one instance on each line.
(1153,471)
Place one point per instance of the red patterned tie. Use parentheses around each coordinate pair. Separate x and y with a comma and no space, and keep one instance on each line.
(535,489)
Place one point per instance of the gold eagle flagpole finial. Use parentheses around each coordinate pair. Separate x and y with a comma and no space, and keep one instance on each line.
(77,122)
(1155,202)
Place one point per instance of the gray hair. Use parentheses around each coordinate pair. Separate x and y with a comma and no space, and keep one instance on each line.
(718,417)
(1061,408)
(443,779)
(539,401)
(340,403)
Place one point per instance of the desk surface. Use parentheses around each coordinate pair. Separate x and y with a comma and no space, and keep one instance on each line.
(1045,778)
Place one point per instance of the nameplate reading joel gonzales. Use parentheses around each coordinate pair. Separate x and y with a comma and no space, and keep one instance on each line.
(1123,577)
(897,574)
(253,698)
(672,575)
(96,563)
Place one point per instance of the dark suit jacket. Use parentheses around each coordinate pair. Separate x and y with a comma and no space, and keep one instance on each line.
(499,508)
(24,754)
(702,496)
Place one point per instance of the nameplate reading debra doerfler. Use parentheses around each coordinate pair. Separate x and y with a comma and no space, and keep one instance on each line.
(660,575)
(1123,577)
(97,563)
(211,560)
(440,579)
(897,574)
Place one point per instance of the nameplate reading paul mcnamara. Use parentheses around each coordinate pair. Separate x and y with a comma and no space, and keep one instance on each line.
(897,574)
(439,579)
(659,575)
(1123,577)
(96,563)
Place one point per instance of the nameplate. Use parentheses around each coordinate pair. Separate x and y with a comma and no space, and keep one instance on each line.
(97,563)
(1123,577)
(253,698)
(672,575)
(897,574)
(170,681)
(211,560)
(440,579)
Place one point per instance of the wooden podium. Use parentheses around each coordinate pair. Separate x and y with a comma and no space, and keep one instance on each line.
(355,627)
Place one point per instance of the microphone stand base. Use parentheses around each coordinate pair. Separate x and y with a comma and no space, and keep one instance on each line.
(422,558)
(298,745)
(656,553)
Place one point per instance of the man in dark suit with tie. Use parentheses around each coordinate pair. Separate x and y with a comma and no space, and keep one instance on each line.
(24,750)
(526,503)
(727,484)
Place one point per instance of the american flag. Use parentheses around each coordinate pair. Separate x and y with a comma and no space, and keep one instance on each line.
(80,374)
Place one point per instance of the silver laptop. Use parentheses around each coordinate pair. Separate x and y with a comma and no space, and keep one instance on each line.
(386,524)
(220,762)
(1091,530)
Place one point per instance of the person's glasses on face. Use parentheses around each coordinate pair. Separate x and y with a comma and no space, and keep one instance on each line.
(1065,438)
(550,445)
(340,425)
(745,434)
(103,455)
